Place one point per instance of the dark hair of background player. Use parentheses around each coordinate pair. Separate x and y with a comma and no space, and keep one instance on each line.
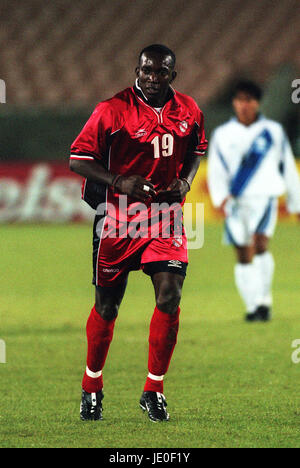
(248,87)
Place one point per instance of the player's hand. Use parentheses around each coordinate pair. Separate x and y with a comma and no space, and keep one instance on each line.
(175,193)
(136,186)
(222,208)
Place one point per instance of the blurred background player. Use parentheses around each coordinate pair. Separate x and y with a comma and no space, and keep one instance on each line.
(149,131)
(250,164)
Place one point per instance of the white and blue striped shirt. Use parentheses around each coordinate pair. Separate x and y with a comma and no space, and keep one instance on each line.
(252,161)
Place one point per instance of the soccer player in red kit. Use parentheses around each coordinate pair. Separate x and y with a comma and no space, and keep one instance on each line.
(140,148)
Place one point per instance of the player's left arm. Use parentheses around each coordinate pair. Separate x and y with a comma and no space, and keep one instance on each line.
(291,178)
(179,187)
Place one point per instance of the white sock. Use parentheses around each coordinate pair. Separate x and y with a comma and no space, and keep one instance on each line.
(265,265)
(247,283)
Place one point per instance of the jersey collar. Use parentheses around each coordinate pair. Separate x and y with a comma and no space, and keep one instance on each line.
(138,91)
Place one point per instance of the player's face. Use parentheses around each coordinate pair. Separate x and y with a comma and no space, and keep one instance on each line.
(155,73)
(245,107)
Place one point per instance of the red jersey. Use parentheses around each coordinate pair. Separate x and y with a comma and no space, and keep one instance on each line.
(129,137)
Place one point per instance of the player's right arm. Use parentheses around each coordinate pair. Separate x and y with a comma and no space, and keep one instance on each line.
(87,152)
(218,177)
(132,186)
(92,170)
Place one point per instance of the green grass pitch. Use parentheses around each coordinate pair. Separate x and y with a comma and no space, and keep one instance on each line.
(230,384)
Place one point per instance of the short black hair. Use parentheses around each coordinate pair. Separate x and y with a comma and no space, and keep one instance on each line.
(249,87)
(159,49)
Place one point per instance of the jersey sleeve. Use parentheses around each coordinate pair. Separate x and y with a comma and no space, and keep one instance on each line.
(92,141)
(201,143)
(218,177)
(291,176)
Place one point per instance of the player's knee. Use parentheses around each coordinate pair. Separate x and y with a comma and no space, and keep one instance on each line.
(168,301)
(261,244)
(244,254)
(261,247)
(107,311)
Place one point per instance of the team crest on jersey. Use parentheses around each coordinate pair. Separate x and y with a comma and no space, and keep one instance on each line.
(177,241)
(183,126)
(261,144)
(140,133)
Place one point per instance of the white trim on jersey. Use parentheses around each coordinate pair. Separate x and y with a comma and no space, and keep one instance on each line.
(79,157)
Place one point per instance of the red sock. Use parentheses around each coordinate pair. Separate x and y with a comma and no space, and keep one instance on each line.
(162,341)
(99,335)
(154,385)
(92,384)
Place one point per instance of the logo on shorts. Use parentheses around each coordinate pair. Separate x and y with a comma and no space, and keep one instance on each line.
(183,126)
(140,133)
(175,264)
(111,270)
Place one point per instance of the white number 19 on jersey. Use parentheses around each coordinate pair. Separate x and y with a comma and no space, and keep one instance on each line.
(166,147)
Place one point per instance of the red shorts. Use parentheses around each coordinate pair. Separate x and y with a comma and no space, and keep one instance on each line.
(114,257)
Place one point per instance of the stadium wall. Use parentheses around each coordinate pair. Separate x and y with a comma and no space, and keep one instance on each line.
(46,134)
(48,192)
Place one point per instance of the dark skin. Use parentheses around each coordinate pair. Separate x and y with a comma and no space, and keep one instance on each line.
(155,73)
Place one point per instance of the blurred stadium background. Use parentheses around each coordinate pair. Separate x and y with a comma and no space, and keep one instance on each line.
(58,59)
